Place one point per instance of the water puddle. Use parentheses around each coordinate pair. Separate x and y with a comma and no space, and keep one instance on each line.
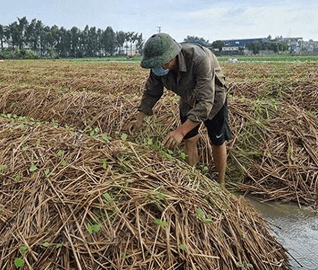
(296,229)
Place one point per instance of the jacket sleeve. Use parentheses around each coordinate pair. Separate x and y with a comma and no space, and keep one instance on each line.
(204,90)
(152,93)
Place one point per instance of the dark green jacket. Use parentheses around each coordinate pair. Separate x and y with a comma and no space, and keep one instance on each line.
(198,80)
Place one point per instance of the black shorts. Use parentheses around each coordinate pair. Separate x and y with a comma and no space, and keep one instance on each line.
(218,128)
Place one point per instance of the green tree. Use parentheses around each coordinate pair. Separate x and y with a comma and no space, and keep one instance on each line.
(99,41)
(140,44)
(2,36)
(218,44)
(193,38)
(39,35)
(109,41)
(85,41)
(22,28)
(120,36)
(255,46)
(92,42)
(75,41)
(283,47)
(128,38)
(12,34)
(32,37)
(63,47)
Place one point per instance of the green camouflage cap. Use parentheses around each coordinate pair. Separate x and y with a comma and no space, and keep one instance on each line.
(159,49)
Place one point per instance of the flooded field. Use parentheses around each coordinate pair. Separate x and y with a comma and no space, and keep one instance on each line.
(296,229)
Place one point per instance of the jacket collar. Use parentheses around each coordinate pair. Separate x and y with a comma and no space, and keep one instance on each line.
(181,62)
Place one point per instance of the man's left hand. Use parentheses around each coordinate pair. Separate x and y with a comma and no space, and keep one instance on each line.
(173,139)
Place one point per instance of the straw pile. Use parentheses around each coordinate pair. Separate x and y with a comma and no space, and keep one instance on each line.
(77,109)
(69,201)
(103,98)
(305,95)
(286,164)
(82,110)
(77,76)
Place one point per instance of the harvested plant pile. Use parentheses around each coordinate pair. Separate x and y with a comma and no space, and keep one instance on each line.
(69,201)
(287,162)
(104,77)
(103,97)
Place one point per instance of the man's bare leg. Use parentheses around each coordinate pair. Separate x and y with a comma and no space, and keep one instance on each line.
(191,150)
(220,159)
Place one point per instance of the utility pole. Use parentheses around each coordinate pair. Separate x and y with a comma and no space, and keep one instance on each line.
(159,29)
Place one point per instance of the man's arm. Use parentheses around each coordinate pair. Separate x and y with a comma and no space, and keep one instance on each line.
(174,138)
(204,90)
(153,92)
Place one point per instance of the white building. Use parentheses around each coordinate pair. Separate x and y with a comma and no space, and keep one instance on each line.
(230,49)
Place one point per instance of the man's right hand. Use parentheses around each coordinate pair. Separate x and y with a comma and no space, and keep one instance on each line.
(135,125)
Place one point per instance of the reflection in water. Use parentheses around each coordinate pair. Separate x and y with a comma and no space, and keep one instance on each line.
(296,229)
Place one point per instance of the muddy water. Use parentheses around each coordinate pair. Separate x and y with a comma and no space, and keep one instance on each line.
(296,229)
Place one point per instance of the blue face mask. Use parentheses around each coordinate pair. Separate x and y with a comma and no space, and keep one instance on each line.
(159,71)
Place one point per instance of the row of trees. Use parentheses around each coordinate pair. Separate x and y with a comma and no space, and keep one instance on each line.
(256,47)
(45,40)
(218,44)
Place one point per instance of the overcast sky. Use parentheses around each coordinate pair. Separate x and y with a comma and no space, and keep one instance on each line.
(212,20)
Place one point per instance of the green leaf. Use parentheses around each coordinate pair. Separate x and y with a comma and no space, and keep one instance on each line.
(124,255)
(18,262)
(38,142)
(97,130)
(183,247)
(3,167)
(205,169)
(60,153)
(33,168)
(89,228)
(124,136)
(104,166)
(23,249)
(208,220)
(46,244)
(105,137)
(149,141)
(161,223)
(64,163)
(107,197)
(24,148)
(93,228)
(47,172)
(183,156)
(240,264)
(200,213)
(17,178)
(159,195)
(149,169)
(59,245)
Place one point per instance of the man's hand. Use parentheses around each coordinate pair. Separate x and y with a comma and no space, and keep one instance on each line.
(173,139)
(135,125)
